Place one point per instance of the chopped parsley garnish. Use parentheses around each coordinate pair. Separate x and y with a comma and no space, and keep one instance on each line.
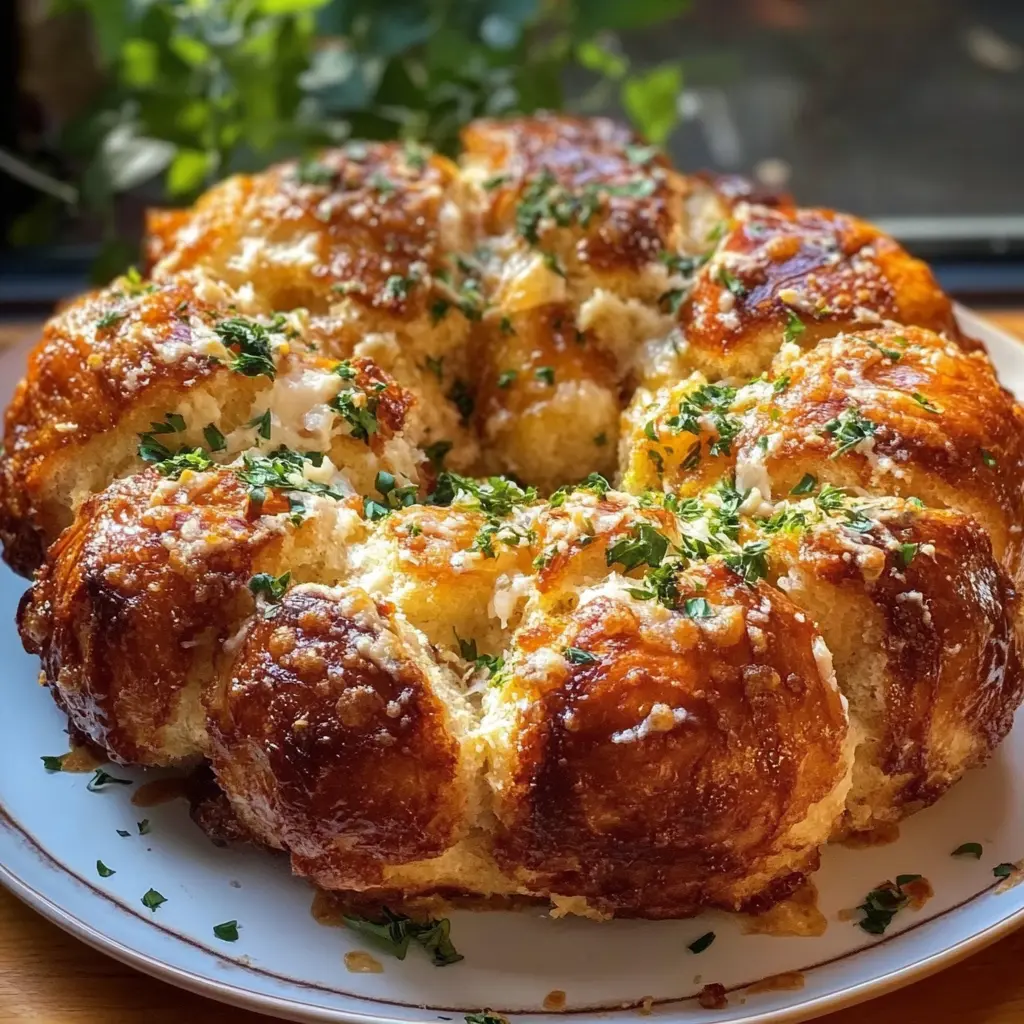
(103,871)
(495,496)
(698,608)
(671,300)
(660,584)
(641,155)
(925,403)
(227,931)
(437,452)
(576,656)
(713,400)
(53,764)
(281,469)
(794,326)
(249,343)
(439,310)
(484,1018)
(382,183)
(143,827)
(1004,870)
(492,664)
(506,377)
(848,429)
(153,899)
(359,410)
(505,326)
(102,779)
(807,484)
(699,945)
(262,425)
(312,172)
(750,561)
(270,588)
(152,450)
(394,933)
(907,553)
(545,374)
(881,905)
(780,384)
(553,263)
(395,497)
(461,395)
(643,545)
(109,319)
(988,458)
(397,287)
(729,280)
(215,440)
(495,181)
(194,459)
(968,850)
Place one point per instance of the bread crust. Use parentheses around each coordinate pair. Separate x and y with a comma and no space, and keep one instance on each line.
(793,615)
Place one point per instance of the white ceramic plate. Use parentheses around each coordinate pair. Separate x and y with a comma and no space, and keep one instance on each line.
(52,832)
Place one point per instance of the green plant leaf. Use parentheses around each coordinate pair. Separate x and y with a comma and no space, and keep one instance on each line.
(651,100)
(594,56)
(187,172)
(597,15)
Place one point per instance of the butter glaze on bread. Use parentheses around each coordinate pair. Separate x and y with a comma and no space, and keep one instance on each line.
(794,615)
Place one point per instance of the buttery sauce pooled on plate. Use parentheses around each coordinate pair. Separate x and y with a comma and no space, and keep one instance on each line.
(555,1000)
(788,981)
(797,916)
(159,791)
(360,962)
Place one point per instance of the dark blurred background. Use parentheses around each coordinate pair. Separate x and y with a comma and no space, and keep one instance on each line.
(909,112)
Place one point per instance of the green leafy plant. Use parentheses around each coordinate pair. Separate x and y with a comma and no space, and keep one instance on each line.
(196,89)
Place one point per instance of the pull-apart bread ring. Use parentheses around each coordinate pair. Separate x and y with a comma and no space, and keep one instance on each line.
(545,524)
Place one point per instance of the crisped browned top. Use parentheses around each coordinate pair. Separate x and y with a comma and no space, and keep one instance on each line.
(799,273)
(621,202)
(329,731)
(520,361)
(361,220)
(107,357)
(947,608)
(933,422)
(134,599)
(675,761)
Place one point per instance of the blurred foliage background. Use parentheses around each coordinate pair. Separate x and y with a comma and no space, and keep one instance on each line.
(191,90)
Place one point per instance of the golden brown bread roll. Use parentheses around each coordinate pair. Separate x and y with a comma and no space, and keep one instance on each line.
(338,736)
(896,412)
(415,680)
(137,372)
(800,275)
(141,592)
(654,761)
(920,620)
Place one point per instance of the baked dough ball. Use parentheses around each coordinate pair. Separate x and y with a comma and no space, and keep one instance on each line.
(139,594)
(800,275)
(651,761)
(896,412)
(680,438)
(547,398)
(919,618)
(360,237)
(141,372)
(339,737)
(442,567)
(106,367)
(577,211)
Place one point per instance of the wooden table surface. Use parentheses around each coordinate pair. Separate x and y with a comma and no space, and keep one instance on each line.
(47,977)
